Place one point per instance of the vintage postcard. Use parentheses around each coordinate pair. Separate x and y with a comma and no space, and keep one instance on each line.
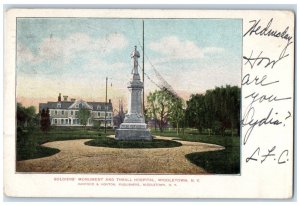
(149,103)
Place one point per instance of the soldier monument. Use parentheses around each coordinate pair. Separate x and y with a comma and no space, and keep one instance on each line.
(134,127)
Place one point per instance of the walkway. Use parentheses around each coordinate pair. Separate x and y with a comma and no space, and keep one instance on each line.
(76,157)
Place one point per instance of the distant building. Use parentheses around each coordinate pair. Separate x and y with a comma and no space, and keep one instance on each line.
(65,113)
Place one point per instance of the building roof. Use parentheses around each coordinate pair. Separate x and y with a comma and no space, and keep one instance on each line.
(97,106)
(100,106)
(43,106)
(53,105)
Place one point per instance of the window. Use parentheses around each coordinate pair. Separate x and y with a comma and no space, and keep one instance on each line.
(55,121)
(55,112)
(62,112)
(76,113)
(59,105)
(62,121)
(99,107)
(76,106)
(98,114)
(71,112)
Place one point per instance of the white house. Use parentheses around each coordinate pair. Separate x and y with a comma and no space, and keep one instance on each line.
(65,113)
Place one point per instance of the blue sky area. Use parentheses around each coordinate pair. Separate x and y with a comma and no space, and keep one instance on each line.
(74,55)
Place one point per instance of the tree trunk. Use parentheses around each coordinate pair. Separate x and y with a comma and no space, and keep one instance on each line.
(161,117)
(232,128)
(155,116)
(199,129)
(160,127)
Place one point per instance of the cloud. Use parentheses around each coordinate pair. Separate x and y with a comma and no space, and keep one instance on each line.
(75,65)
(57,51)
(24,54)
(211,50)
(195,78)
(198,80)
(172,47)
(96,64)
(113,41)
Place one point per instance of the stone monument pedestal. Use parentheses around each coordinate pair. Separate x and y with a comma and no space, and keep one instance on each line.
(133,131)
(134,127)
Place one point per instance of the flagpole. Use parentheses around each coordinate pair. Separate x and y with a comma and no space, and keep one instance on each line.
(105,105)
(143,72)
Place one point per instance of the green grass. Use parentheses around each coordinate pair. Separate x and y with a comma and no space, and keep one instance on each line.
(225,161)
(29,141)
(155,143)
(165,133)
(226,141)
(218,162)
(25,153)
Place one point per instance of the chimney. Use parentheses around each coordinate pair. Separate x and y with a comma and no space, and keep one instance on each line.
(73,100)
(59,97)
(109,101)
(65,98)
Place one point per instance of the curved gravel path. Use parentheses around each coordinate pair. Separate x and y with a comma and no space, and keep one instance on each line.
(76,157)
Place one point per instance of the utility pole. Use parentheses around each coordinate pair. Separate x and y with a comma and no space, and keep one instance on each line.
(143,72)
(105,106)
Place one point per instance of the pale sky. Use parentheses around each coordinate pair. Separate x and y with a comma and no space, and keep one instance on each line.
(73,56)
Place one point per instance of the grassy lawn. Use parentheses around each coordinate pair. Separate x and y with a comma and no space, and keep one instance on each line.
(24,153)
(225,161)
(29,141)
(155,143)
(218,162)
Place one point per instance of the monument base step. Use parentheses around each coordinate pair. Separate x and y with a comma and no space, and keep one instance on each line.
(133,134)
